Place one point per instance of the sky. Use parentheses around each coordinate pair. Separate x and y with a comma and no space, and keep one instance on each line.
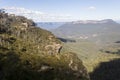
(64,10)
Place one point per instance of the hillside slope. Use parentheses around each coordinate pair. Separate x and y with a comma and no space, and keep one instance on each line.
(30,53)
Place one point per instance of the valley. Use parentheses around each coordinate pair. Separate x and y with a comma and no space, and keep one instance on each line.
(94,41)
(79,48)
(91,54)
(60,40)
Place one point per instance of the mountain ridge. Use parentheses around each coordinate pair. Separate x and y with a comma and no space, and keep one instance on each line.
(93,21)
(28,52)
(95,30)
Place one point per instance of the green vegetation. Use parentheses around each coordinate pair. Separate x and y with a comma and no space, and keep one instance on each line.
(96,44)
(92,54)
(31,53)
(102,61)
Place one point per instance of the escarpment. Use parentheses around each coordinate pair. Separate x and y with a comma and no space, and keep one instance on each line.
(28,52)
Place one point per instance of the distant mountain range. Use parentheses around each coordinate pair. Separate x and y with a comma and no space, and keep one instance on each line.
(95,30)
(93,21)
(49,25)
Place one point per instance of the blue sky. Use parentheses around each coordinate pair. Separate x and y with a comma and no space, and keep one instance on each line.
(75,9)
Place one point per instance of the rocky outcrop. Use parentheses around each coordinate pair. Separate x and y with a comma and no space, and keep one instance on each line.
(53,49)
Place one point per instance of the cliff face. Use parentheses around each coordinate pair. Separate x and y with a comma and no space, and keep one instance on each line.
(31,53)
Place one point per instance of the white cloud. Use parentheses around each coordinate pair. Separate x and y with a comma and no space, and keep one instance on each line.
(37,15)
(18,10)
(92,8)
